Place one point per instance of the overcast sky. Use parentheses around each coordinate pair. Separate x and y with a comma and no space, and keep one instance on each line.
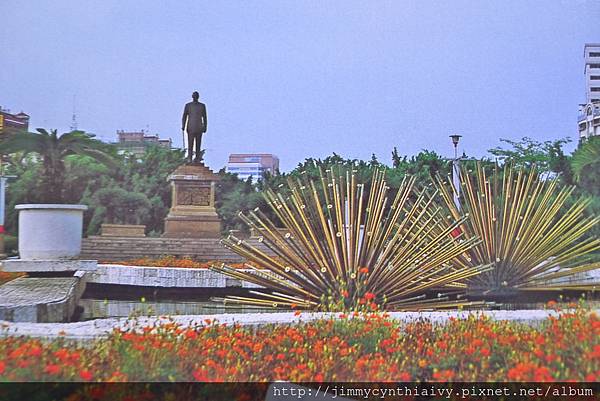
(302,78)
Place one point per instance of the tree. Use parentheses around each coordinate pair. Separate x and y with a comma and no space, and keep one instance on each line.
(586,166)
(528,152)
(53,150)
(121,206)
(424,165)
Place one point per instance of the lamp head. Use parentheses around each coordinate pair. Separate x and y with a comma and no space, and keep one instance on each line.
(455,139)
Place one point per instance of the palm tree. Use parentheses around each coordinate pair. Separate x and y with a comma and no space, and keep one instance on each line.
(586,164)
(53,149)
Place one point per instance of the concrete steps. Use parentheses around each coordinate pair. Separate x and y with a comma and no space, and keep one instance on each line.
(122,248)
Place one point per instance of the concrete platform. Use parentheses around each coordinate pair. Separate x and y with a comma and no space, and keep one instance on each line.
(100,328)
(48,266)
(167,277)
(41,300)
(97,308)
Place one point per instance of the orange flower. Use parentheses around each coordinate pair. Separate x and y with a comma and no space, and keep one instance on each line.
(364,270)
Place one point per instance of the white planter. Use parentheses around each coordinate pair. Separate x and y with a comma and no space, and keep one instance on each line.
(49,231)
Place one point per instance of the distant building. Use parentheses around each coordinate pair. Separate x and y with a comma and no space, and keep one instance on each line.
(588,120)
(592,72)
(13,122)
(252,165)
(136,142)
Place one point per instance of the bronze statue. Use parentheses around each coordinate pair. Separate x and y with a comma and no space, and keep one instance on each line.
(194,117)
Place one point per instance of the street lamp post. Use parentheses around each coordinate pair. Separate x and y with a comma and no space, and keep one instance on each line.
(456,171)
(3,181)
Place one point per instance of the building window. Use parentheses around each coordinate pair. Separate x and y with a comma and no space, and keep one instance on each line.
(594,77)
(594,54)
(595,89)
(594,65)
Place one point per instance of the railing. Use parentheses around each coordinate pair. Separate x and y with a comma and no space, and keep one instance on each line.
(584,116)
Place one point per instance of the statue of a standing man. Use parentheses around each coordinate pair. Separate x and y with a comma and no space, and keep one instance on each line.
(194,117)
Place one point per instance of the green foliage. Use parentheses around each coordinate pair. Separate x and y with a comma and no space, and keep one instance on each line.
(424,165)
(586,165)
(234,195)
(10,245)
(143,193)
(123,207)
(74,167)
(53,149)
(527,152)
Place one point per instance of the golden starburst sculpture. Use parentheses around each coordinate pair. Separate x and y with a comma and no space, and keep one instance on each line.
(529,233)
(345,240)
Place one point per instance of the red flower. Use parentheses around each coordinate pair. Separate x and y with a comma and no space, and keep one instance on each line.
(543,375)
(369,296)
(596,352)
(35,351)
(364,270)
(52,369)
(2,367)
(485,352)
(86,375)
(24,363)
(191,334)
(62,354)
(281,357)
(200,375)
(404,377)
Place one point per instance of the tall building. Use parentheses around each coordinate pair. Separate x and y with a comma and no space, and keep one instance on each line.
(588,120)
(592,72)
(136,142)
(13,122)
(252,165)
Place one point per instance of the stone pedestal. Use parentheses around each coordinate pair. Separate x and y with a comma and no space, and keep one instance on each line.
(193,212)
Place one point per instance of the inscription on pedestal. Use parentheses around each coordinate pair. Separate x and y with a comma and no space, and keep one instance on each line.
(193,194)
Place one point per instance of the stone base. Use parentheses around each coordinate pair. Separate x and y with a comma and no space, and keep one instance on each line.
(48,266)
(40,300)
(192,227)
(122,230)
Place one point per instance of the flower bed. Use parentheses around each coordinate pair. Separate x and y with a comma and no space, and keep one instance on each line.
(358,347)
(169,261)
(5,277)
